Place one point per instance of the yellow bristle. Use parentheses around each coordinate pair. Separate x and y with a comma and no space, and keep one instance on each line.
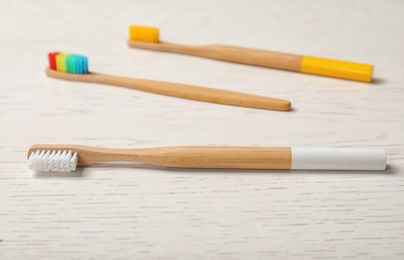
(156,35)
(61,62)
(141,35)
(149,35)
(144,34)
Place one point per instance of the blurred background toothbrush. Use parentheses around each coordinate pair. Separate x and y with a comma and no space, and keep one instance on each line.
(75,68)
(148,38)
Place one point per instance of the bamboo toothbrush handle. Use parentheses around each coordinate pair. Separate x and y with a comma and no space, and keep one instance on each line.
(229,157)
(232,157)
(269,59)
(249,56)
(223,157)
(180,90)
(291,62)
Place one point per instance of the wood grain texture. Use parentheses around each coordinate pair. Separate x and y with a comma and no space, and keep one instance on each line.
(218,96)
(199,157)
(263,58)
(142,212)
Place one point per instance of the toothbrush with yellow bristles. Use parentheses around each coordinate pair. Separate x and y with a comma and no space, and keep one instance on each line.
(75,68)
(148,38)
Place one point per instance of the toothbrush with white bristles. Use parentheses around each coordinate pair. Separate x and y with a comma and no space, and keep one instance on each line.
(65,158)
(52,161)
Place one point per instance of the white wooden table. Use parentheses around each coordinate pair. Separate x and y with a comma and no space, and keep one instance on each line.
(143,212)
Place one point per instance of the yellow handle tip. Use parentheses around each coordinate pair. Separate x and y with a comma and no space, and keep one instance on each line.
(337,69)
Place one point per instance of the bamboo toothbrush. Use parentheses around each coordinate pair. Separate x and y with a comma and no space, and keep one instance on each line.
(65,158)
(75,67)
(148,38)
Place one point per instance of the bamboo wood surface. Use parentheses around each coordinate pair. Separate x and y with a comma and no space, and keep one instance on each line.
(212,157)
(132,211)
(263,58)
(224,97)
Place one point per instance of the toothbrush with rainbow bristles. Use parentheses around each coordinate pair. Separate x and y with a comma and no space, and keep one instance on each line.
(148,38)
(75,68)
(65,158)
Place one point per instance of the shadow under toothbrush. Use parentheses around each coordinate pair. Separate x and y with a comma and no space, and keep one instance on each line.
(80,172)
(77,173)
(378,81)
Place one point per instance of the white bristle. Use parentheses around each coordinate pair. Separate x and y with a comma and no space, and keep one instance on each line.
(52,161)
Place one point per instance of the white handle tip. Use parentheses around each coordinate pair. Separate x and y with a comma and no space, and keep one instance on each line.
(370,159)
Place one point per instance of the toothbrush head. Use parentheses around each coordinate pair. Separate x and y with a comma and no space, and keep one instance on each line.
(144,34)
(68,63)
(52,161)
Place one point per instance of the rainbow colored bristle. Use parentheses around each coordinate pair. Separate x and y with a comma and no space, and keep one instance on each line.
(144,34)
(68,63)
